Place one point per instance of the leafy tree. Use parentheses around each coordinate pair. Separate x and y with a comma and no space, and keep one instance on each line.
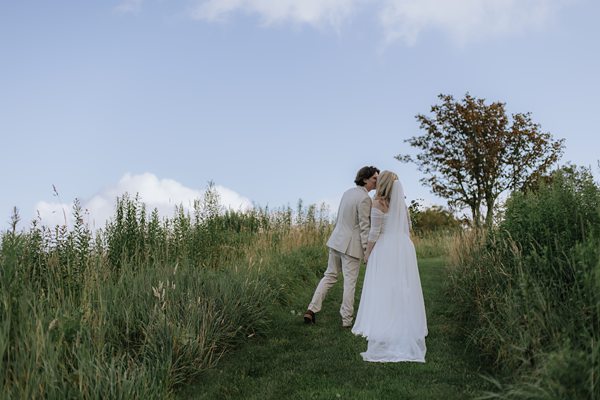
(472,152)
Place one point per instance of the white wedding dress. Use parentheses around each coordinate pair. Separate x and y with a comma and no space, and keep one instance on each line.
(391,313)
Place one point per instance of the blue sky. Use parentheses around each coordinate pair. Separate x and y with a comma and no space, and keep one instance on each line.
(273,100)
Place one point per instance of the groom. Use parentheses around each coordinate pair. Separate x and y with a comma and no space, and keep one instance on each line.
(347,245)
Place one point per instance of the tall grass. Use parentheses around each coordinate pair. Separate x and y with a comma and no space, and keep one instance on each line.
(529,291)
(146,304)
(438,243)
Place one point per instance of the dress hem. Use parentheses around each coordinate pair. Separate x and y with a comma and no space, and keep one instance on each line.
(391,359)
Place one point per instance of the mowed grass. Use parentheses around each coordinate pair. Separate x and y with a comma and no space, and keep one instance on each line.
(322,361)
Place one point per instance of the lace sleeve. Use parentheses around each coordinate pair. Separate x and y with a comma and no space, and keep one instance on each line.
(376,223)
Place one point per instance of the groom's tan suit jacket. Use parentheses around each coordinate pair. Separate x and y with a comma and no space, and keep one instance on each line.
(353,223)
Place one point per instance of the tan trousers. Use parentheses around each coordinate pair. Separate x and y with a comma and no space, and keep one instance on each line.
(349,266)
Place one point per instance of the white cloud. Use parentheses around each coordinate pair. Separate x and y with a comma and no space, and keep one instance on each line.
(53,214)
(129,6)
(312,12)
(401,20)
(464,20)
(162,194)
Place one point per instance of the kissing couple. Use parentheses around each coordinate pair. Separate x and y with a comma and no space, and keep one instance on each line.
(391,313)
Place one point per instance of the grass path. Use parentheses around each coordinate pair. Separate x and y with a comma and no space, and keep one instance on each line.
(322,361)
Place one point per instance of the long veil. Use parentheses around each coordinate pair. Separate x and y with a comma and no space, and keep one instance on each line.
(398,218)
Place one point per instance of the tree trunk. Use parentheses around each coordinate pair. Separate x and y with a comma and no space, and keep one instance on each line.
(489,215)
(476,213)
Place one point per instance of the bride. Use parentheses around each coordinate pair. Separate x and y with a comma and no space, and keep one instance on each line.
(391,313)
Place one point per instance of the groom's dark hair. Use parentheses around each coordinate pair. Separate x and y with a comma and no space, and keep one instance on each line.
(365,173)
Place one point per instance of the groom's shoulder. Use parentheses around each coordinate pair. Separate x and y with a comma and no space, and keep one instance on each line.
(356,192)
(353,190)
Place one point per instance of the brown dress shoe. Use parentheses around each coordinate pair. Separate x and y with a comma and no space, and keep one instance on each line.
(309,317)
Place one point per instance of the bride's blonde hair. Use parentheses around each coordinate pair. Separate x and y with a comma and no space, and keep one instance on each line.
(385,181)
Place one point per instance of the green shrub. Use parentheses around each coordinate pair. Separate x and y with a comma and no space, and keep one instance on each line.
(529,292)
(432,219)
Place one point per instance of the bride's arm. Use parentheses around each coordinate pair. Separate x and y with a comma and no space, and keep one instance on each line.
(376,222)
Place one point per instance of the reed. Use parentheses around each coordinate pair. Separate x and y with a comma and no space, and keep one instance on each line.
(146,304)
(436,243)
(528,292)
